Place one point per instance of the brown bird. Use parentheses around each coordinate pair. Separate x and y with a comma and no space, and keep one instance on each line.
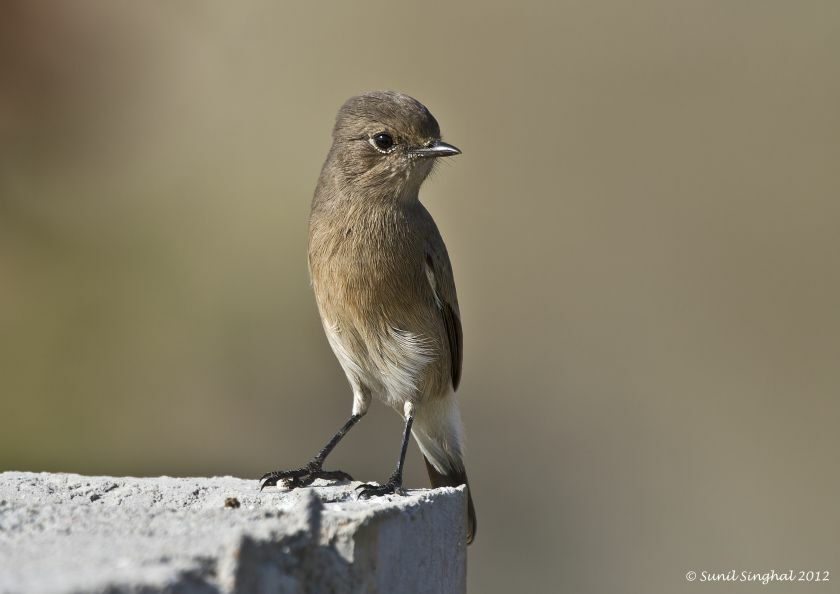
(384,286)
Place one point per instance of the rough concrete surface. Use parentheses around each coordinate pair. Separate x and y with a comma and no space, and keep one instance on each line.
(62,533)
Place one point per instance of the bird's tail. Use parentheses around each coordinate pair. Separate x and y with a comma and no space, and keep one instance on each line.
(453,480)
(438,432)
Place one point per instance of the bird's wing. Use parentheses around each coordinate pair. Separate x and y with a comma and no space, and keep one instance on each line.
(439,274)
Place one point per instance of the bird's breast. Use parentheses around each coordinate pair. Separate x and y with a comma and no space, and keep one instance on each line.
(376,305)
(366,259)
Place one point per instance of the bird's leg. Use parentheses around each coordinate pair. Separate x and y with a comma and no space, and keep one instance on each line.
(394,483)
(305,476)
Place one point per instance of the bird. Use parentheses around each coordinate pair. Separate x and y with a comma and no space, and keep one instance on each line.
(385,290)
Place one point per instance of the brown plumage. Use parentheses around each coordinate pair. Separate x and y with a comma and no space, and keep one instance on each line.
(383,282)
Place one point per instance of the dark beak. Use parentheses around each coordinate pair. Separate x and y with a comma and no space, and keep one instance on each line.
(436,149)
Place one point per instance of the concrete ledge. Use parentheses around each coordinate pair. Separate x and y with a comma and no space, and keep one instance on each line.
(62,533)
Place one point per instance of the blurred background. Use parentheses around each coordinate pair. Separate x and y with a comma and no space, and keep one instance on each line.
(643,227)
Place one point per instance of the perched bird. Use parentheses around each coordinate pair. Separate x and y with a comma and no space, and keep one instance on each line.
(384,286)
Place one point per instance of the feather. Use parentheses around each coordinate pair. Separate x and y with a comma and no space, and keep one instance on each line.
(450,317)
(455,479)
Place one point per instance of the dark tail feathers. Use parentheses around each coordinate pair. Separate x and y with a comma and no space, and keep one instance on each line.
(455,480)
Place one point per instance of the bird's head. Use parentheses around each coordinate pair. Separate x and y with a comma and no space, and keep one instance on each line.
(385,143)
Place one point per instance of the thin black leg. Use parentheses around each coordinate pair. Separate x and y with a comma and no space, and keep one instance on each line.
(394,484)
(305,476)
(325,451)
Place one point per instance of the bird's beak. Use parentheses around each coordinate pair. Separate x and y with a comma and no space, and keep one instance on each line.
(436,149)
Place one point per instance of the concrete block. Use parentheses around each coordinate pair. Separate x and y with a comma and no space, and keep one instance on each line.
(66,533)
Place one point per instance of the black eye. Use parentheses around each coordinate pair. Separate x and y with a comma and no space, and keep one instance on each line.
(383,141)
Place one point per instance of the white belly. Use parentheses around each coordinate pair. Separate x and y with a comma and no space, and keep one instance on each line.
(392,367)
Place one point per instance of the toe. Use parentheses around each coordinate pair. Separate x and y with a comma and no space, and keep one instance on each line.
(270,479)
(367,490)
(340,475)
(267,482)
(333,475)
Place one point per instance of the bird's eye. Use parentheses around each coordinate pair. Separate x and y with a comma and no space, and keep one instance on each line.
(383,141)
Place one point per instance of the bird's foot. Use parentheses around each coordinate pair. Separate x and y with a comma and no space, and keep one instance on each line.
(302,477)
(392,487)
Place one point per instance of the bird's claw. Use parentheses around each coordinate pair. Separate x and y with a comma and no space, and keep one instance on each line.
(301,477)
(368,490)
